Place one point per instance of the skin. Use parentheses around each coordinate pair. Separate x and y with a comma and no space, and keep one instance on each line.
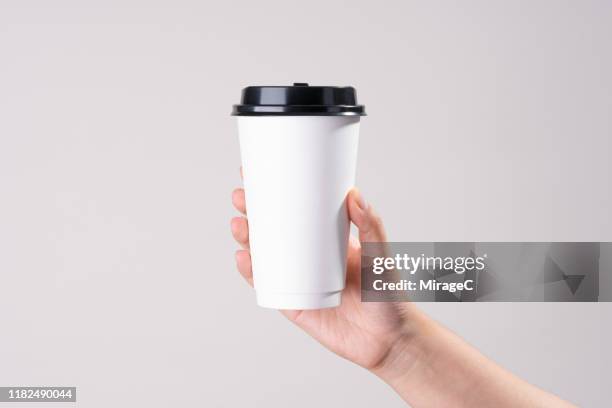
(425,363)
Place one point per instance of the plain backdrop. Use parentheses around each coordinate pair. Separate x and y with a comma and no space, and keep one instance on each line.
(488,121)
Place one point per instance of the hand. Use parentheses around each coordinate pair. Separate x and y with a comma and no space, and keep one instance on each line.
(360,332)
(426,364)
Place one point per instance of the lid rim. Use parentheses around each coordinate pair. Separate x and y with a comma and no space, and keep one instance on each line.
(298,110)
(301,99)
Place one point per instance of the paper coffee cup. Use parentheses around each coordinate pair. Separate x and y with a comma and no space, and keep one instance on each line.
(299,150)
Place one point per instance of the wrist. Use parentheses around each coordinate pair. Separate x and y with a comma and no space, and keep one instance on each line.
(407,351)
(427,362)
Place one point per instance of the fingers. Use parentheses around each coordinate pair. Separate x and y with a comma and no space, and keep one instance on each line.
(240,231)
(370,225)
(243,263)
(238,200)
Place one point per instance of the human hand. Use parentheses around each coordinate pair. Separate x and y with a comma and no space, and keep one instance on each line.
(360,332)
(426,364)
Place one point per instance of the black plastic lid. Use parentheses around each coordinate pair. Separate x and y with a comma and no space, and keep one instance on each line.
(298,100)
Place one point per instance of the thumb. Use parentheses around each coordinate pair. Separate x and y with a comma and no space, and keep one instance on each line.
(370,225)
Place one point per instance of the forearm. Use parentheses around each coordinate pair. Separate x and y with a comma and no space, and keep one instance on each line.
(430,366)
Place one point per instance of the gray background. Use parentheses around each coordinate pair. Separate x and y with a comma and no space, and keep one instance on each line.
(489,121)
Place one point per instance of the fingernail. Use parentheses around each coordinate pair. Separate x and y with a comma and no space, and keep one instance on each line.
(361,201)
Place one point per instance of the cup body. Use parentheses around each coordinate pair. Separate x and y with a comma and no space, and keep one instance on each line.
(297,171)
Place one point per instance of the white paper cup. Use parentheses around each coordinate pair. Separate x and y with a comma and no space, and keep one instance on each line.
(297,172)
